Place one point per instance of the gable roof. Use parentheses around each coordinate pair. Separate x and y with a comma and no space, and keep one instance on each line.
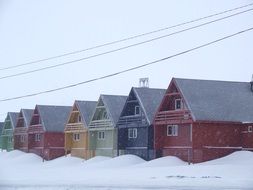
(13,118)
(217,100)
(114,105)
(53,118)
(149,99)
(1,127)
(27,115)
(86,109)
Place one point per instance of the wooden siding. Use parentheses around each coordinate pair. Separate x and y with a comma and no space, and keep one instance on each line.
(7,135)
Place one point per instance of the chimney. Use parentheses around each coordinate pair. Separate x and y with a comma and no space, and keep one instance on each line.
(251,84)
(143,82)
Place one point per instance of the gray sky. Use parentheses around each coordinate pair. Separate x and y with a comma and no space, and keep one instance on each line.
(32,30)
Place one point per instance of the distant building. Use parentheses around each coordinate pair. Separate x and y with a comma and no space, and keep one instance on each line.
(200,120)
(7,131)
(46,131)
(103,134)
(20,131)
(76,129)
(135,129)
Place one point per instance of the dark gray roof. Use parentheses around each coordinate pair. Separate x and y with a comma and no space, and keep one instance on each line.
(1,127)
(114,105)
(27,115)
(13,118)
(86,109)
(53,118)
(217,100)
(149,99)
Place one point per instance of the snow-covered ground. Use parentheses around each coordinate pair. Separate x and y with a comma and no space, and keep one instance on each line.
(26,171)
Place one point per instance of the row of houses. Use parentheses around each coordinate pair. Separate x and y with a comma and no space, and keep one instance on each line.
(195,120)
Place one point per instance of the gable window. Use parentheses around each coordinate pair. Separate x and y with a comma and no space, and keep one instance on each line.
(76,137)
(132,133)
(22,138)
(178,104)
(79,118)
(37,137)
(172,130)
(101,135)
(105,116)
(137,110)
(250,129)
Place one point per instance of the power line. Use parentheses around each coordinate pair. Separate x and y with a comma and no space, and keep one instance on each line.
(126,39)
(124,47)
(130,69)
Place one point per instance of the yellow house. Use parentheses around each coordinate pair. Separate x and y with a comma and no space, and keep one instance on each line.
(76,129)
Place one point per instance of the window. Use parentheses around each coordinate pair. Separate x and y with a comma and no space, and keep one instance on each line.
(250,129)
(22,138)
(178,104)
(79,118)
(101,135)
(37,137)
(172,130)
(10,139)
(76,137)
(132,133)
(137,110)
(105,116)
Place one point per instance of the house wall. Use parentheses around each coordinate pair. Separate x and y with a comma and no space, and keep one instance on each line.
(36,147)
(103,147)
(54,145)
(141,146)
(18,144)
(247,138)
(179,146)
(215,140)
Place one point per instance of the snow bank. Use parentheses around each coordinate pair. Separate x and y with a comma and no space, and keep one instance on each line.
(120,161)
(64,161)
(236,158)
(97,159)
(164,162)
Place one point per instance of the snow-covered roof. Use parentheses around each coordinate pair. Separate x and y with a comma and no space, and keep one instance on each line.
(149,99)
(217,100)
(86,109)
(53,118)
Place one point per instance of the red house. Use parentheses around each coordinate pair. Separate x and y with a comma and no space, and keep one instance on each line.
(46,131)
(20,132)
(200,120)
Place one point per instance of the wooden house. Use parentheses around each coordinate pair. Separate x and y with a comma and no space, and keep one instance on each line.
(20,131)
(76,129)
(102,128)
(200,120)
(135,129)
(46,131)
(1,128)
(7,131)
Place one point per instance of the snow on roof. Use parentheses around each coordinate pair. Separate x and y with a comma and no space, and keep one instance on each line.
(217,100)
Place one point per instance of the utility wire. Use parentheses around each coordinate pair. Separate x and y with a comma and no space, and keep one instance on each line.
(125,39)
(124,47)
(130,69)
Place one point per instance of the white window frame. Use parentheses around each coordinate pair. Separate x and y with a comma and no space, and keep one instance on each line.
(181,104)
(76,136)
(132,133)
(174,130)
(22,138)
(10,139)
(135,108)
(37,137)
(101,135)
(250,129)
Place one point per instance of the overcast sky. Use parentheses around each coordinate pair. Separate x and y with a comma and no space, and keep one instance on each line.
(32,30)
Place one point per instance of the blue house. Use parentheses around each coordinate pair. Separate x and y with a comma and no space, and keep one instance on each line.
(135,129)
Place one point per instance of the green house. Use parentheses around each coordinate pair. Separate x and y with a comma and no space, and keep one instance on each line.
(102,128)
(7,131)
